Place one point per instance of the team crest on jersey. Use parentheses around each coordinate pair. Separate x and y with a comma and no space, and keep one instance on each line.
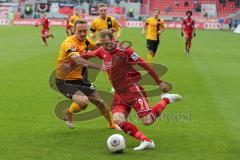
(134,56)
(73,49)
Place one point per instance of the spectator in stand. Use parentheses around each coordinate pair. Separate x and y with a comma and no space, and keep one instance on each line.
(168,9)
(176,2)
(223,2)
(237,4)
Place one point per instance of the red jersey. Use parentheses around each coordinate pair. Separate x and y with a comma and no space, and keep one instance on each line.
(45,23)
(119,64)
(67,21)
(188,24)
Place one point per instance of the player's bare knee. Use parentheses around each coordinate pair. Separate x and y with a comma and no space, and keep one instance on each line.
(82,101)
(118,118)
(147,120)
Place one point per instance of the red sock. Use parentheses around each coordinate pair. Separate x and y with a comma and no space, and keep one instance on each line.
(133,131)
(159,107)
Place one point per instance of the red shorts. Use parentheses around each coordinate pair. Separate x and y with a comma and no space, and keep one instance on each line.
(133,96)
(188,34)
(44,33)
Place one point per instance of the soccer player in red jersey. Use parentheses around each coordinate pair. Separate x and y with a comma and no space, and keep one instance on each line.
(129,94)
(44,21)
(188,30)
(68,27)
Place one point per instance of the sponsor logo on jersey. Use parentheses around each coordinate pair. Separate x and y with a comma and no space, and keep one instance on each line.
(134,56)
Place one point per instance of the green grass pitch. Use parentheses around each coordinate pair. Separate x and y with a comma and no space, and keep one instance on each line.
(205,125)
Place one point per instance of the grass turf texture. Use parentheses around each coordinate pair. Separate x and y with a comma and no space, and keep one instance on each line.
(205,125)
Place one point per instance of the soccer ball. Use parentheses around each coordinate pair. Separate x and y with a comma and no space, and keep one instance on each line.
(116,143)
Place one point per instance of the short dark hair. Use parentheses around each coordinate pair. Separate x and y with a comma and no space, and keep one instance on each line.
(106,33)
(189,12)
(79,21)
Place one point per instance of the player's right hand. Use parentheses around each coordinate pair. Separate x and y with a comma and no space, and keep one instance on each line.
(143,32)
(194,34)
(164,87)
(182,34)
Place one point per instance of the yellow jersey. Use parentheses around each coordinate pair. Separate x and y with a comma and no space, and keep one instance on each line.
(72,20)
(69,47)
(152,27)
(109,22)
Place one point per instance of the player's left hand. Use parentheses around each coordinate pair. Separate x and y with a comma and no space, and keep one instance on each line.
(159,32)
(182,34)
(164,87)
(194,34)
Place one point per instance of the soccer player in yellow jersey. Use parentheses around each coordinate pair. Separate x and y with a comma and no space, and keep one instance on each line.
(105,22)
(73,19)
(154,26)
(70,82)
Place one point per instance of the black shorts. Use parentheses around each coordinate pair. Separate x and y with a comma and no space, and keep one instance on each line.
(69,87)
(152,45)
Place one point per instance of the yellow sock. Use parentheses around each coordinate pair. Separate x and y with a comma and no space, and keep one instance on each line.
(109,119)
(106,113)
(149,57)
(74,108)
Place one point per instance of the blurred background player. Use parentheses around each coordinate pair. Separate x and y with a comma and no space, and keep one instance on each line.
(45,28)
(128,93)
(68,27)
(71,83)
(155,26)
(105,22)
(72,20)
(188,30)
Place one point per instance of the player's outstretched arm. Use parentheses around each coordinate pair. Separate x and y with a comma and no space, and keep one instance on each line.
(162,85)
(162,28)
(144,28)
(182,30)
(194,33)
(78,60)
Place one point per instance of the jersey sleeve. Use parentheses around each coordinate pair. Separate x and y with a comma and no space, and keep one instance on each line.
(162,24)
(95,53)
(70,49)
(116,25)
(71,21)
(91,43)
(135,59)
(147,21)
(93,27)
(132,55)
(183,22)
